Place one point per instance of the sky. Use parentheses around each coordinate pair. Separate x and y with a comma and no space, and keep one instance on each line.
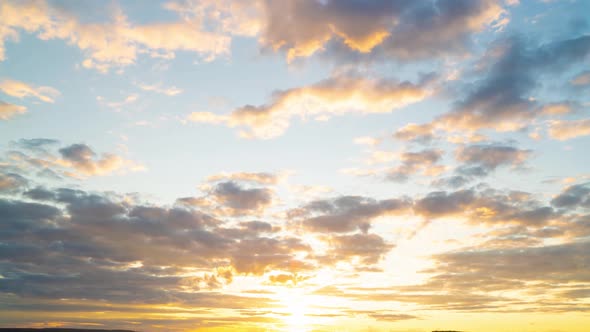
(295,165)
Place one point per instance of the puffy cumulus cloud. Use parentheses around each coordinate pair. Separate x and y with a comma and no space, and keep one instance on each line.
(337,95)
(413,162)
(200,29)
(480,160)
(259,177)
(565,130)
(502,99)
(77,160)
(7,110)
(230,198)
(441,203)
(22,90)
(84,160)
(90,248)
(233,195)
(488,207)
(573,196)
(93,235)
(404,29)
(362,249)
(492,156)
(345,214)
(375,29)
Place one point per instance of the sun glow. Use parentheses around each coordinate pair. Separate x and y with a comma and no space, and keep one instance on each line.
(297,310)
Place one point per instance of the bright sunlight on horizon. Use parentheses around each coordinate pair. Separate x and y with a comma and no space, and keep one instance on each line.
(295,165)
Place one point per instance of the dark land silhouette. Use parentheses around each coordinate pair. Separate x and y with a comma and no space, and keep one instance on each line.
(58,330)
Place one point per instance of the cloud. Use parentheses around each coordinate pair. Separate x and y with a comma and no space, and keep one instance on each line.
(21,90)
(170,91)
(119,41)
(573,196)
(376,28)
(502,99)
(35,144)
(480,160)
(291,279)
(491,156)
(367,140)
(114,233)
(423,133)
(557,108)
(233,195)
(259,178)
(84,160)
(526,264)
(11,183)
(76,160)
(9,110)
(345,214)
(231,198)
(565,130)
(338,95)
(537,279)
(582,79)
(369,249)
(118,105)
(486,207)
(413,162)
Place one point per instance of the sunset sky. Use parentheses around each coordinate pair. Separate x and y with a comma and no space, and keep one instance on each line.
(295,165)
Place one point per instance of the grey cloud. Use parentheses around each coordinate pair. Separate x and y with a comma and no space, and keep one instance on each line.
(16,216)
(369,248)
(79,153)
(486,207)
(38,157)
(570,262)
(573,196)
(492,156)
(440,203)
(501,99)
(346,213)
(238,198)
(35,144)
(480,160)
(40,194)
(80,245)
(413,162)
(11,183)
(470,279)
(406,30)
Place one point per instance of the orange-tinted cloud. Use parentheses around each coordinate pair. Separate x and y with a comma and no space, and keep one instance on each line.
(9,110)
(21,90)
(337,95)
(565,130)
